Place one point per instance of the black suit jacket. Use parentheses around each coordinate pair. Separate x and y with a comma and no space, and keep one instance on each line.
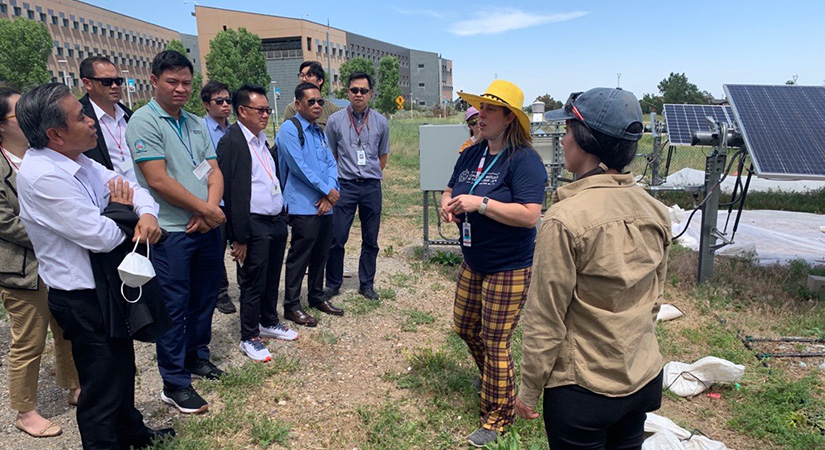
(235,163)
(101,152)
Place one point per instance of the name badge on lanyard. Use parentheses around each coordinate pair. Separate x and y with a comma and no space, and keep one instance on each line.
(466,233)
(276,189)
(125,166)
(202,170)
(362,155)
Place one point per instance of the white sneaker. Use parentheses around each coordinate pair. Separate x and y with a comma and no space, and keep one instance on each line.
(279,331)
(256,350)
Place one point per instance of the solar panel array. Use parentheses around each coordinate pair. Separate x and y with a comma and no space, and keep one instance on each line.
(682,120)
(783,128)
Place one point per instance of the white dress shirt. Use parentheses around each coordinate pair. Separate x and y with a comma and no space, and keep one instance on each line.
(263,199)
(114,132)
(60,204)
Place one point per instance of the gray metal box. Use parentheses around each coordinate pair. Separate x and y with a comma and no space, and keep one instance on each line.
(438,146)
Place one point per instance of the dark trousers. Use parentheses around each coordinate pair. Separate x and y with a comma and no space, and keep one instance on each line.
(365,195)
(188,268)
(224,287)
(309,247)
(576,418)
(260,274)
(106,414)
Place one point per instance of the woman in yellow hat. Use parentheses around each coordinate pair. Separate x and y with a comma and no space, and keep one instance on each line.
(495,196)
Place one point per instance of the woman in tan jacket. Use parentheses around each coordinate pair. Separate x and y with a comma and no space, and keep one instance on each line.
(598,274)
(23,292)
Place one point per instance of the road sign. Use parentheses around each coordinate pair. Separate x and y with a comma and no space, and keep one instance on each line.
(400,102)
(277,90)
(131,85)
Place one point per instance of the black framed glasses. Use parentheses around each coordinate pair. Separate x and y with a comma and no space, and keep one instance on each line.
(303,75)
(107,81)
(222,100)
(313,101)
(261,110)
(362,91)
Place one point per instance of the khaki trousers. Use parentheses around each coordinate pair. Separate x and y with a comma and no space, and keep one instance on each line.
(29,320)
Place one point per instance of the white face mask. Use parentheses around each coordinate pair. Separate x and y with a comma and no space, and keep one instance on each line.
(135,270)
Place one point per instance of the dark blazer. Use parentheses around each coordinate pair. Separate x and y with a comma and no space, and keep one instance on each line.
(235,163)
(18,266)
(101,152)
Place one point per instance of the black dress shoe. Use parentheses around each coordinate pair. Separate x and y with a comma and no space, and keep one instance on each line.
(300,317)
(329,293)
(225,305)
(369,293)
(326,306)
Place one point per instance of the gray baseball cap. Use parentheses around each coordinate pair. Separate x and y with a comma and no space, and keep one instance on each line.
(607,110)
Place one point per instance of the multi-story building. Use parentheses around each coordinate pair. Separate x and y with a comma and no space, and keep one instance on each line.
(80,30)
(287,42)
(190,42)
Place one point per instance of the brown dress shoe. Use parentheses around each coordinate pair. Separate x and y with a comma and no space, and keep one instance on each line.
(326,306)
(300,317)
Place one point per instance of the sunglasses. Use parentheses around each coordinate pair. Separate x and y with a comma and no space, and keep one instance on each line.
(472,123)
(313,101)
(222,100)
(362,91)
(262,110)
(107,82)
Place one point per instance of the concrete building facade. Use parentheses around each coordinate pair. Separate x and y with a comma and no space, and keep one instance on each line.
(287,42)
(190,42)
(80,30)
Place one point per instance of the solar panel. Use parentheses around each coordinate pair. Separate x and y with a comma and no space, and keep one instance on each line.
(684,119)
(783,128)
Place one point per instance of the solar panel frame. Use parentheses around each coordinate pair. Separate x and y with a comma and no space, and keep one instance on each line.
(683,119)
(783,127)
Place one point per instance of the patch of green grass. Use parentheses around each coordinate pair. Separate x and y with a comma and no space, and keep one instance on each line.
(386,293)
(718,341)
(325,337)
(390,428)
(414,318)
(446,258)
(669,345)
(266,431)
(403,280)
(358,305)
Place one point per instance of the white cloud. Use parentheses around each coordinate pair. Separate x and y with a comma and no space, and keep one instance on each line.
(419,12)
(502,20)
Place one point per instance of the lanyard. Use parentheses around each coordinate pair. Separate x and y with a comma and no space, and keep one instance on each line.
(179,132)
(481,165)
(266,167)
(364,123)
(119,138)
(11,163)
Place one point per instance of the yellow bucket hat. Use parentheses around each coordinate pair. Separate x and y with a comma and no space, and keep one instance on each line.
(501,93)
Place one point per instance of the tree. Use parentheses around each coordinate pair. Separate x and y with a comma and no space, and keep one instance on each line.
(549,102)
(354,65)
(677,89)
(25,46)
(194,105)
(651,103)
(388,89)
(235,58)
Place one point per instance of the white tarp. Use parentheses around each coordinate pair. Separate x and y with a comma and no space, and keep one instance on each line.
(769,236)
(693,177)
(687,380)
(669,436)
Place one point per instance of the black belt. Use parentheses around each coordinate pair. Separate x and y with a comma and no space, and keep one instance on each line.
(362,180)
(266,218)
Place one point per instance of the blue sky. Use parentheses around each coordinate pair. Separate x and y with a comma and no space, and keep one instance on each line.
(557,47)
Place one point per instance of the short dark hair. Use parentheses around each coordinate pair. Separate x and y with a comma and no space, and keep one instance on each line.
(211,88)
(241,96)
(170,60)
(359,76)
(315,68)
(41,109)
(87,66)
(615,153)
(299,90)
(5,107)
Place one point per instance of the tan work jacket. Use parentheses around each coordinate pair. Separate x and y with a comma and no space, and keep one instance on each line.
(598,276)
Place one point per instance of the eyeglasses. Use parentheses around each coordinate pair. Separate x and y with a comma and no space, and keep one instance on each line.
(222,100)
(9,117)
(262,110)
(313,101)
(362,91)
(107,82)
(472,123)
(305,75)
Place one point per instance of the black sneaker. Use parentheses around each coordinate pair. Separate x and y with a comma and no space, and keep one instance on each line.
(225,304)
(329,293)
(204,368)
(186,400)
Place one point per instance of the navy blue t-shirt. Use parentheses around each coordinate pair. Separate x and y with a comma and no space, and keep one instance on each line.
(516,177)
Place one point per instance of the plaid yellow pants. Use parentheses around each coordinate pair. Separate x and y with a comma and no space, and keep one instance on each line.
(485,315)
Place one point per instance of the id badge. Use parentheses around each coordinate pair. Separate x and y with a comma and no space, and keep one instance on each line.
(466,235)
(362,157)
(202,170)
(275,189)
(125,166)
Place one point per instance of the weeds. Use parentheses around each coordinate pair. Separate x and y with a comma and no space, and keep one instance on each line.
(414,318)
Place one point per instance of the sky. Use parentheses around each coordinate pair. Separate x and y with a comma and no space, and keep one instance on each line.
(558,47)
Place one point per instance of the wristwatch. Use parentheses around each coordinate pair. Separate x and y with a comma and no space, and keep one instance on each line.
(483,208)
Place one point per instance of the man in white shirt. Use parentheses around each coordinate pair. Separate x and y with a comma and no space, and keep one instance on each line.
(62,195)
(101,103)
(255,224)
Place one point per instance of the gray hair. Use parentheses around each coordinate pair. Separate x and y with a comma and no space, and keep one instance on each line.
(39,110)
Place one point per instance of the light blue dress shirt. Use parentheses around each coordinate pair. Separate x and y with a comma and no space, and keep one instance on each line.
(215,131)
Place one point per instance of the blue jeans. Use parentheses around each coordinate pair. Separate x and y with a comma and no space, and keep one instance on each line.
(188,268)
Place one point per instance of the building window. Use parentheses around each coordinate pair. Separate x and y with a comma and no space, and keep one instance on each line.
(66,23)
(421,66)
(319,48)
(309,44)
(111,33)
(119,35)
(76,25)
(30,15)
(70,52)
(17,11)
(3,8)
(94,29)
(422,103)
(59,51)
(421,85)
(86,27)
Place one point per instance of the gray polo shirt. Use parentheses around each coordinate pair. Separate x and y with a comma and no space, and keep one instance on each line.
(153,134)
(344,141)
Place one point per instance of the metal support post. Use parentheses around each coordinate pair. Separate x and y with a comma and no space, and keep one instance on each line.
(426,227)
(714,168)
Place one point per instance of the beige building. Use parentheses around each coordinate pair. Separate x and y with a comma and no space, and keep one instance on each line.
(80,30)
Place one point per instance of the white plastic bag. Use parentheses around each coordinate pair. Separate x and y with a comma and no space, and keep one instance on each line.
(668,312)
(686,380)
(666,435)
